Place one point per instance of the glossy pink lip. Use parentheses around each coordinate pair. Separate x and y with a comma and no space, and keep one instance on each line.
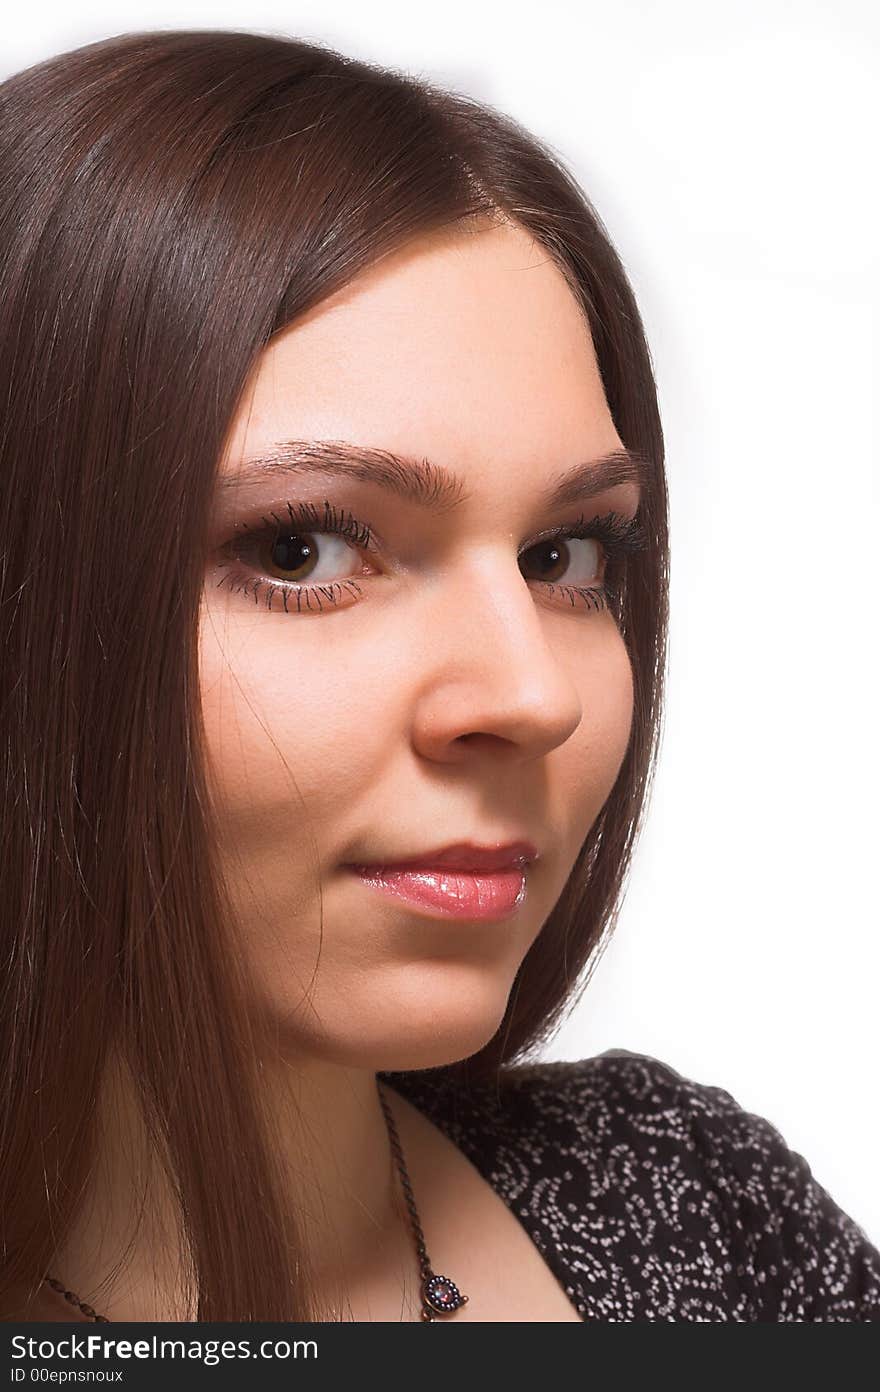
(448,892)
(465,856)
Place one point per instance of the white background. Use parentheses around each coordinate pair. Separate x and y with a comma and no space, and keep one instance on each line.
(731,151)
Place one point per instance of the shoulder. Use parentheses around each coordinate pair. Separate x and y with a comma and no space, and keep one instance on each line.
(600,1103)
(669,1175)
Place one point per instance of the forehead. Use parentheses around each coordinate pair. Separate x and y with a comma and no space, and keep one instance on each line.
(466,346)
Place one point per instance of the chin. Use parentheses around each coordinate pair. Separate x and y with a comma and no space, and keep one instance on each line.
(424,1016)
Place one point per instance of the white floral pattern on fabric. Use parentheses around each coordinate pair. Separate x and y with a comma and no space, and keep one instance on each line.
(654,1197)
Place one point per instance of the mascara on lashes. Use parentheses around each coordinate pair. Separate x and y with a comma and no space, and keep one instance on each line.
(620,536)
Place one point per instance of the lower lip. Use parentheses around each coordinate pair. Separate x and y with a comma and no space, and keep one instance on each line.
(450,893)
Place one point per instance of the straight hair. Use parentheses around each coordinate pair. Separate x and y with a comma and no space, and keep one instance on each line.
(169,201)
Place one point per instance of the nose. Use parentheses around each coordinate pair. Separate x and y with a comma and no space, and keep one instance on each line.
(495,673)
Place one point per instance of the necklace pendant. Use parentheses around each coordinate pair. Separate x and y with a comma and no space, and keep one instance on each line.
(440,1296)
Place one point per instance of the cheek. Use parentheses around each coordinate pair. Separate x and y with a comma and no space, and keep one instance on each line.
(273,740)
(271,727)
(590,761)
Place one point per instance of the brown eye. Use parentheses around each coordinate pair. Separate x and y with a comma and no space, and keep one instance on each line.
(293,554)
(299,558)
(569,560)
(309,562)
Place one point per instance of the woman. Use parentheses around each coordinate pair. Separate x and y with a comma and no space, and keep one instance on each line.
(334,612)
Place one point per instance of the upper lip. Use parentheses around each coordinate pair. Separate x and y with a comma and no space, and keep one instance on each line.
(465,855)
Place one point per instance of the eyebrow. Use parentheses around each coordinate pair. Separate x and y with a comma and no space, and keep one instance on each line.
(423,483)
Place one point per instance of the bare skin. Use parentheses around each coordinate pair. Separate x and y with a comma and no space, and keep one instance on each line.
(444,697)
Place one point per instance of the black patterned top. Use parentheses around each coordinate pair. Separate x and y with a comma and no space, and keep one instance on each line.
(654,1197)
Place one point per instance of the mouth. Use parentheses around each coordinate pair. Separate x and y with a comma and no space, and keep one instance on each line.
(450,893)
(463,881)
(465,857)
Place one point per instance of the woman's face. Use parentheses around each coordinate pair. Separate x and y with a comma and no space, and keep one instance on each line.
(430,687)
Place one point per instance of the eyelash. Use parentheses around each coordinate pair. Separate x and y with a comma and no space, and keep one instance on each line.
(620,537)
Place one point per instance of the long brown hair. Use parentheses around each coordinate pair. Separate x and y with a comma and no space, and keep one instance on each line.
(168,202)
